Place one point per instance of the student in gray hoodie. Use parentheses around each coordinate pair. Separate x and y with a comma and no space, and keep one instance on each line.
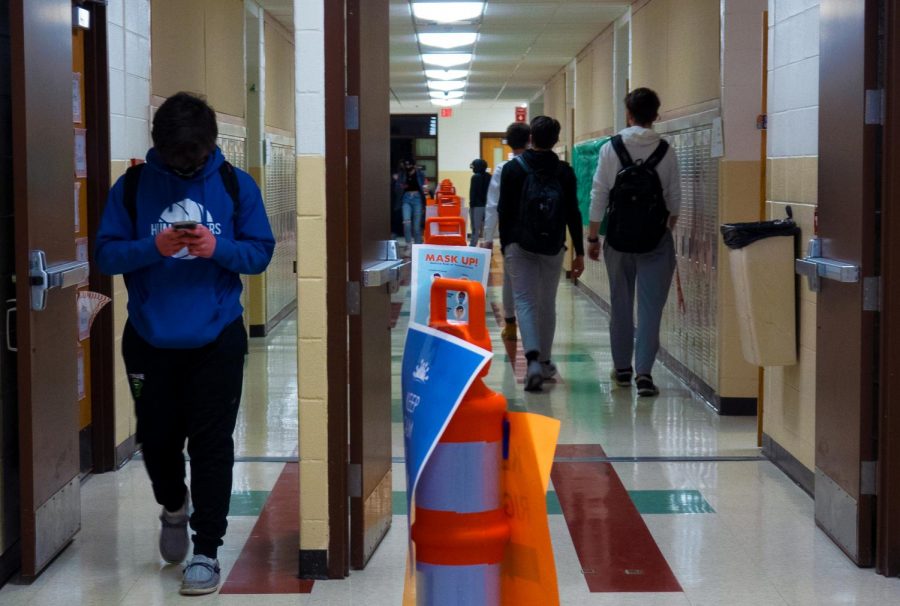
(650,271)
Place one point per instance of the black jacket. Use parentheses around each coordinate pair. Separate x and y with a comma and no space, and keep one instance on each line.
(478,187)
(512,180)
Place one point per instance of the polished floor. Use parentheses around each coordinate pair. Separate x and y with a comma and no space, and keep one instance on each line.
(653,501)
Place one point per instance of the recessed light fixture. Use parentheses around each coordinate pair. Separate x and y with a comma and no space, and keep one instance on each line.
(446,59)
(446,102)
(448,40)
(452,94)
(446,74)
(447,12)
(446,85)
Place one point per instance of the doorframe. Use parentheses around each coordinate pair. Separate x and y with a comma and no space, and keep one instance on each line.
(338,565)
(96,92)
(887,557)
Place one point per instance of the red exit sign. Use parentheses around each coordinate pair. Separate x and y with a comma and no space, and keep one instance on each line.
(446,112)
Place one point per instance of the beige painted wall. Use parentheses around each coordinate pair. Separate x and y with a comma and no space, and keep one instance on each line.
(790,412)
(675,49)
(279,76)
(594,109)
(194,49)
(555,101)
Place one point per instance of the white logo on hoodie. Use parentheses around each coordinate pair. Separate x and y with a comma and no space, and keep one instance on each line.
(186,210)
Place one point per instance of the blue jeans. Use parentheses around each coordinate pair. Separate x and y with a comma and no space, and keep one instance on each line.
(412,217)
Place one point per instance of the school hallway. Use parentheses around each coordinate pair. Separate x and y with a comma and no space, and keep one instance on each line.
(653,501)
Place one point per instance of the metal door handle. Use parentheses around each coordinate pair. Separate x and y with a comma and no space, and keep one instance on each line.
(390,271)
(9,312)
(58,275)
(384,272)
(814,266)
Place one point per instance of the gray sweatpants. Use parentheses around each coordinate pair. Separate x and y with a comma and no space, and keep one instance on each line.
(535,280)
(653,273)
(476,214)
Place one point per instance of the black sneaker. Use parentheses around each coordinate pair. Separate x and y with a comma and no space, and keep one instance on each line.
(645,386)
(622,377)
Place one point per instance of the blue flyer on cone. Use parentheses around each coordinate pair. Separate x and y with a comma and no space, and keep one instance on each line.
(437,371)
(430,261)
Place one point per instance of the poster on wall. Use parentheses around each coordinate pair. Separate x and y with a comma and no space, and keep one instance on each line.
(430,261)
(76,97)
(80,153)
(77,206)
(81,254)
(82,385)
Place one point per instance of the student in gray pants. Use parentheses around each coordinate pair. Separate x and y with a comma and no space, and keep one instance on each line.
(639,248)
(538,203)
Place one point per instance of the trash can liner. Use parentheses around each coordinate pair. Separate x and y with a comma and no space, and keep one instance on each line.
(739,235)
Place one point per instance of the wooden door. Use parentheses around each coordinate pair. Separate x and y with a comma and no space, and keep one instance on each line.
(846,336)
(368,139)
(41,58)
(494,150)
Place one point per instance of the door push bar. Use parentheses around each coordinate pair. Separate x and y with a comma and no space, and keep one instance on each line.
(389,271)
(815,267)
(59,275)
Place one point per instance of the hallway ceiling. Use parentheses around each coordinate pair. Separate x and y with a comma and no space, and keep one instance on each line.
(521,45)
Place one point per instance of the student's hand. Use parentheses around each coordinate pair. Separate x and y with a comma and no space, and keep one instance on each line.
(169,241)
(577,266)
(594,250)
(203,242)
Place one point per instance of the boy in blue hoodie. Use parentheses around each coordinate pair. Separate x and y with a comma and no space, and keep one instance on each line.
(182,228)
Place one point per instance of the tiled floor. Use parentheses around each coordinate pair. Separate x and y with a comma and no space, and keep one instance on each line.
(730,532)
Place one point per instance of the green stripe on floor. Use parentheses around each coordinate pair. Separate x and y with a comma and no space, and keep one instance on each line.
(669,501)
(646,502)
(247,502)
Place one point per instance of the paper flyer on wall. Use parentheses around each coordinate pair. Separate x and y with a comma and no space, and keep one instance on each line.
(430,261)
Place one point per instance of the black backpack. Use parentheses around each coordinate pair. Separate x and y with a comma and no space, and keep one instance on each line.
(133,177)
(637,216)
(542,221)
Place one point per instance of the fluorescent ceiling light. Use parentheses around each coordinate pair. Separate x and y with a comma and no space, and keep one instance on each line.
(453,94)
(446,85)
(447,12)
(446,74)
(446,102)
(446,59)
(448,40)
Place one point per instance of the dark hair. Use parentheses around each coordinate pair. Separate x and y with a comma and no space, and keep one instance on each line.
(184,130)
(544,132)
(517,135)
(643,105)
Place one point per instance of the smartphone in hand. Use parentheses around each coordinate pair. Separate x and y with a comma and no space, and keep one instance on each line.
(184,225)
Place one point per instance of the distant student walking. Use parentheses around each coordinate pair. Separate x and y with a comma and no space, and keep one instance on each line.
(538,202)
(637,188)
(478,188)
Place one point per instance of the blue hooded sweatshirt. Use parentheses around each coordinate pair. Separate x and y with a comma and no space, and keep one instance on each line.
(182,301)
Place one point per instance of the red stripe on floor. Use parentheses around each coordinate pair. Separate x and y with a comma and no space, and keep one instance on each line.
(269,560)
(614,545)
